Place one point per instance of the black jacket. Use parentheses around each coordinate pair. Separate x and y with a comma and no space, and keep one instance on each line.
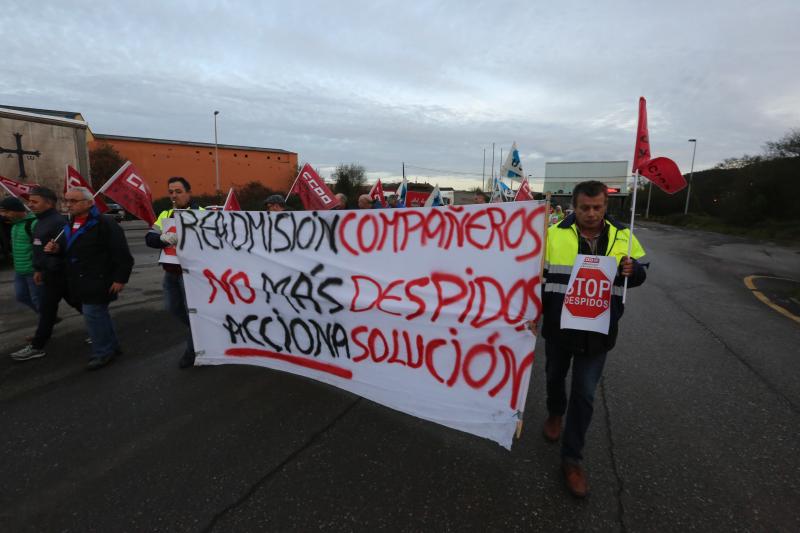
(97,255)
(48,225)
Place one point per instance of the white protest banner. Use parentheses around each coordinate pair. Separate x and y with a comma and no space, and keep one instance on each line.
(587,304)
(168,255)
(421,310)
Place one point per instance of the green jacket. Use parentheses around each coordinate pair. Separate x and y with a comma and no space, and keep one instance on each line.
(21,244)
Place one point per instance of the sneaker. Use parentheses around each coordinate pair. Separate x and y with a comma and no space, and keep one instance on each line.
(27,353)
(88,340)
(98,362)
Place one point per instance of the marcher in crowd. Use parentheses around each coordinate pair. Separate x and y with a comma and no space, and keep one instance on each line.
(587,231)
(365,202)
(98,265)
(180,192)
(276,202)
(481,198)
(48,270)
(391,201)
(342,200)
(22,222)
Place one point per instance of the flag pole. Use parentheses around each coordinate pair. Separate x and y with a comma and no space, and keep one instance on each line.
(294,183)
(630,237)
(518,432)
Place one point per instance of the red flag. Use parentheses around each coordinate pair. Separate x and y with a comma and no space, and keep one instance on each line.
(130,191)
(312,190)
(73,178)
(376,193)
(641,154)
(15,188)
(231,202)
(664,173)
(524,192)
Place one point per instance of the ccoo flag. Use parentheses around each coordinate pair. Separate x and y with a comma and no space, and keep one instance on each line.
(313,192)
(231,202)
(73,178)
(641,154)
(524,192)
(376,193)
(15,188)
(661,171)
(130,191)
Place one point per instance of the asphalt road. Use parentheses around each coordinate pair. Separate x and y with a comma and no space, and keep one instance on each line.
(696,425)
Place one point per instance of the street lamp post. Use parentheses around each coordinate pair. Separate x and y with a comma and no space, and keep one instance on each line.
(691,173)
(216,151)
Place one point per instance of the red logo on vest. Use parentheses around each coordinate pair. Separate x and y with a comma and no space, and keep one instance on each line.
(589,295)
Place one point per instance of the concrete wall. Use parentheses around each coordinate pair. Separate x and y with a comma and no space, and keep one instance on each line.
(59,142)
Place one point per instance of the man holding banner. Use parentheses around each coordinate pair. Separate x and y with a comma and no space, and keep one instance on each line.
(162,236)
(586,263)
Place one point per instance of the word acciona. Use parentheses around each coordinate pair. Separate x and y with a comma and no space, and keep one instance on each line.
(375,231)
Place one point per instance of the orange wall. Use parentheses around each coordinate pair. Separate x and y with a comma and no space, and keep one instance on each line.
(157,162)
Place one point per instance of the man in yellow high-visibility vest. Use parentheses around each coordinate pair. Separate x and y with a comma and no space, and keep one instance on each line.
(586,231)
(180,192)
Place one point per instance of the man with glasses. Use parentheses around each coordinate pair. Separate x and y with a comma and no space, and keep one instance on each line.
(98,265)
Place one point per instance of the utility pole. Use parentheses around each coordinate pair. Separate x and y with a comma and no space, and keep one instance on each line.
(691,174)
(483,176)
(492,163)
(216,151)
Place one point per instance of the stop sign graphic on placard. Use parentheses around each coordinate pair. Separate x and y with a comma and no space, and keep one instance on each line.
(589,295)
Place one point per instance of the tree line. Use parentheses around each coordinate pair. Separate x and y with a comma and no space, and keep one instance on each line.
(742,190)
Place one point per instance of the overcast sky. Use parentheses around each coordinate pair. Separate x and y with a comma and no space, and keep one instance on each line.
(429,83)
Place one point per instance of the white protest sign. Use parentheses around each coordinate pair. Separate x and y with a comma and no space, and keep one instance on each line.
(587,304)
(168,254)
(421,310)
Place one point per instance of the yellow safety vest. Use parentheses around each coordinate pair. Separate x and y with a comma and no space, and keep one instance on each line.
(167,213)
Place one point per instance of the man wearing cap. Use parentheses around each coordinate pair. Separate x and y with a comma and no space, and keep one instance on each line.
(48,270)
(275,202)
(22,222)
(180,192)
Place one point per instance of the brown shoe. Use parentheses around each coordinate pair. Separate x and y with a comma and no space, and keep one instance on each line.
(575,478)
(552,428)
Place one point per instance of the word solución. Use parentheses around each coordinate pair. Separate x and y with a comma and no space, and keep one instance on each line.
(444,228)
(481,299)
(263,230)
(485,365)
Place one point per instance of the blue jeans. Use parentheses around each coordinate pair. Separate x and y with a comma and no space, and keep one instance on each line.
(175,303)
(26,291)
(586,373)
(101,330)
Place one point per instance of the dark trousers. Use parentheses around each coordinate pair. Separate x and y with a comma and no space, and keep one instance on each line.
(586,373)
(175,303)
(53,290)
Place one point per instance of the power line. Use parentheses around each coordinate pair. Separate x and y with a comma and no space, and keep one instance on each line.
(443,171)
